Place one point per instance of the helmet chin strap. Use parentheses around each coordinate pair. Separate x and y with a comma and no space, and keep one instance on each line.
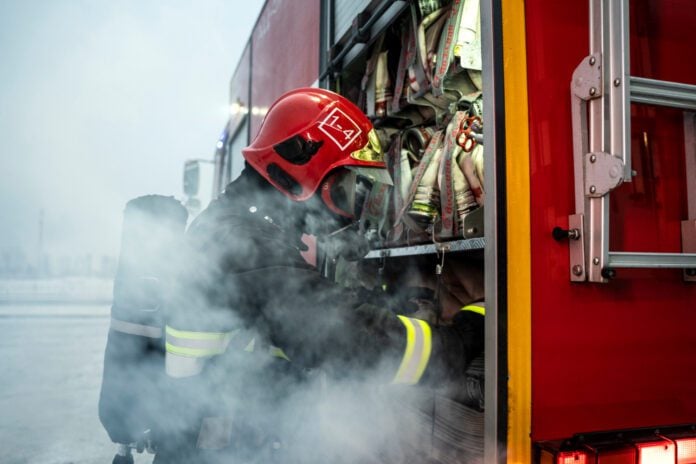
(343,229)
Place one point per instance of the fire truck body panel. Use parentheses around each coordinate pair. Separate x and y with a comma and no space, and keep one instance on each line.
(563,357)
(618,355)
(228,160)
(285,53)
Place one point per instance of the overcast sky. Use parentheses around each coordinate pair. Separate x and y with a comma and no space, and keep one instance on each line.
(102,101)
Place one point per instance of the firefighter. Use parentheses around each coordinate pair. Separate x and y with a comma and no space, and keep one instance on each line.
(252,320)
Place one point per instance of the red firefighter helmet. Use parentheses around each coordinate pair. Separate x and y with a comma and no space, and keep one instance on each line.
(306,134)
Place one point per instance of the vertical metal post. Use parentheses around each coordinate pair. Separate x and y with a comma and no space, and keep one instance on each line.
(617,85)
(495,429)
(689,225)
(326,40)
(597,210)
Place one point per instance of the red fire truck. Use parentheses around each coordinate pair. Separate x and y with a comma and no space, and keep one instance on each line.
(588,233)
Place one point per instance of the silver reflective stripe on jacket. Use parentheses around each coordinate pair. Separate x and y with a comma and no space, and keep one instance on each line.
(132,328)
(179,366)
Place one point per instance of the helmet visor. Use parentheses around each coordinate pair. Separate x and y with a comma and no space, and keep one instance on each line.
(338,192)
(345,192)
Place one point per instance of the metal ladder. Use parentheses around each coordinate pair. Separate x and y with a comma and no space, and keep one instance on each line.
(602,92)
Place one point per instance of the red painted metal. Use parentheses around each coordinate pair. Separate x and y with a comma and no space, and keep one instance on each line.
(619,355)
(239,88)
(285,52)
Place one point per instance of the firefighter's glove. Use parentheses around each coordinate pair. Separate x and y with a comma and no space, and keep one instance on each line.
(419,303)
(457,364)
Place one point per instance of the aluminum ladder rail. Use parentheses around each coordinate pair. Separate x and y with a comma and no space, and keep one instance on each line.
(601,95)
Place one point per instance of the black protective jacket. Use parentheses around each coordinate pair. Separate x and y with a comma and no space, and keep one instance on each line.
(243,276)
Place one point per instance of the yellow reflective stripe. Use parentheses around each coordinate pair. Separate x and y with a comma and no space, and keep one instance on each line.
(417,352)
(196,335)
(193,352)
(478,309)
(408,354)
(278,353)
(427,348)
(206,344)
(250,346)
(197,344)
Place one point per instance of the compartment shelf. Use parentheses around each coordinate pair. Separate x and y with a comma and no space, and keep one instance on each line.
(469,244)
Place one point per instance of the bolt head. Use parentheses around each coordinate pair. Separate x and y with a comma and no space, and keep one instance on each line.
(593,158)
(617,82)
(577,270)
(593,90)
(593,189)
(595,261)
(593,60)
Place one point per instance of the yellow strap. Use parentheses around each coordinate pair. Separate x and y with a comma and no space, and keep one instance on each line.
(478,309)
(417,352)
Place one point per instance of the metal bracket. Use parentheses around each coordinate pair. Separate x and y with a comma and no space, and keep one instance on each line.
(603,173)
(688,230)
(586,85)
(587,78)
(577,249)
(472,224)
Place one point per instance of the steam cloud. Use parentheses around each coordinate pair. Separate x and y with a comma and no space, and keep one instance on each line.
(301,411)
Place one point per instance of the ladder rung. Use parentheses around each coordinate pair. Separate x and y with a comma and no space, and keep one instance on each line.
(663,93)
(622,259)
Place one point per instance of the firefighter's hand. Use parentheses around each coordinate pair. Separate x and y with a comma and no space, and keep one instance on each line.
(458,359)
(467,334)
(470,390)
(416,302)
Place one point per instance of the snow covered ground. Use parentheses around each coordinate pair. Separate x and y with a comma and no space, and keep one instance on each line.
(49,385)
(56,290)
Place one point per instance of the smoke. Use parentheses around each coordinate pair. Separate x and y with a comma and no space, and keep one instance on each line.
(103,105)
(103,102)
(328,397)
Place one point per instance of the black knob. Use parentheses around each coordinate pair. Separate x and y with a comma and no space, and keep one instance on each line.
(608,273)
(561,234)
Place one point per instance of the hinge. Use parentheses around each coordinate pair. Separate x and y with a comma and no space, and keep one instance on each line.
(587,78)
(603,173)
